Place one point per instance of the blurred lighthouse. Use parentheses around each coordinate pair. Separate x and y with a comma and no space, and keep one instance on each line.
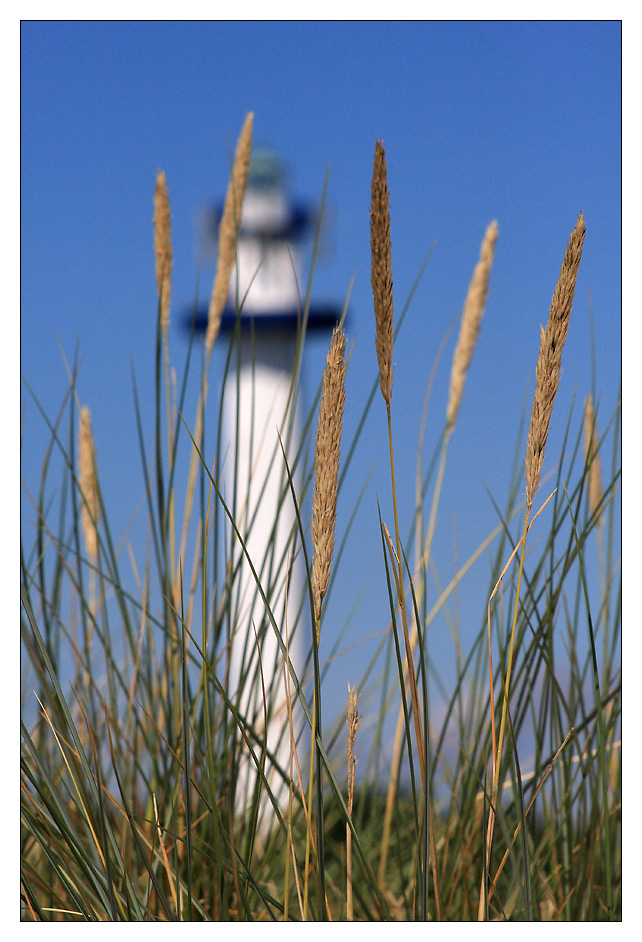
(261,405)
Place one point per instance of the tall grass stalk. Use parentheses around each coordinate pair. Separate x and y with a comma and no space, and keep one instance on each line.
(163,252)
(229,228)
(473,312)
(324,512)
(381,280)
(547,375)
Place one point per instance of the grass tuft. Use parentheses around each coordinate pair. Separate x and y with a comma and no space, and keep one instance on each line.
(494,796)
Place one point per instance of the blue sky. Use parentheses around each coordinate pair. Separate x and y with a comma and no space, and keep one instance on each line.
(519,122)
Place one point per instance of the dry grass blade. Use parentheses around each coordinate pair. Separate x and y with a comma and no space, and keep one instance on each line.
(547,770)
(471,323)
(228,230)
(326,459)
(547,372)
(412,675)
(88,485)
(163,247)
(168,869)
(381,272)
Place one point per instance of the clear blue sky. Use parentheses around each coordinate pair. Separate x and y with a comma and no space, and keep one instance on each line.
(519,122)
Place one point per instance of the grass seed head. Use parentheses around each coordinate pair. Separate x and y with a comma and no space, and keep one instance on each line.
(474,306)
(326,462)
(381,270)
(88,485)
(228,231)
(352,716)
(163,247)
(549,361)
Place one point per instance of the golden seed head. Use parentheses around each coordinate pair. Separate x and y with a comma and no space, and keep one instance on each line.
(549,361)
(353,719)
(89,510)
(470,323)
(326,463)
(163,247)
(228,231)
(381,270)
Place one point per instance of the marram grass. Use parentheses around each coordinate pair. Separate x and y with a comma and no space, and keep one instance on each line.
(381,270)
(499,797)
(549,361)
(228,231)
(326,464)
(88,486)
(163,248)
(474,307)
(547,378)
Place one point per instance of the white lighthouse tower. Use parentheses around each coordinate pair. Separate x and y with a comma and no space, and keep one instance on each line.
(260,405)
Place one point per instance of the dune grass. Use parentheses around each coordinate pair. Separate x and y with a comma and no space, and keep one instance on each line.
(132,739)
